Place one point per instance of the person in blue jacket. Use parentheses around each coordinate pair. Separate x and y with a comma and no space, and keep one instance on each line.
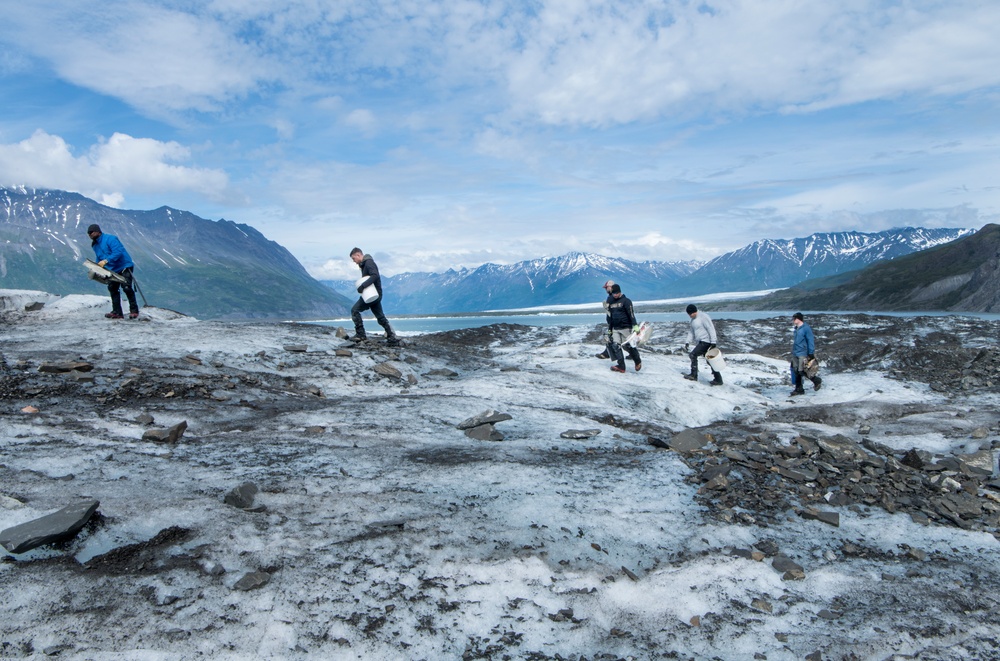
(111,254)
(803,351)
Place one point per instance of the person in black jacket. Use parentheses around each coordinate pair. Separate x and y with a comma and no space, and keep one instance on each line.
(621,323)
(369,273)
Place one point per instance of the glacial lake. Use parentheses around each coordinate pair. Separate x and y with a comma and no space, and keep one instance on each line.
(432,324)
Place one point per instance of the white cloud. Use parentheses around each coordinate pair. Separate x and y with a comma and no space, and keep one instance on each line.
(601,63)
(110,168)
(157,59)
(363,120)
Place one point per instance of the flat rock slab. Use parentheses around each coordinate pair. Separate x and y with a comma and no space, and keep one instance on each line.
(579,434)
(62,368)
(252,581)
(50,528)
(485,432)
(687,441)
(385,369)
(442,372)
(978,463)
(831,518)
(296,348)
(242,496)
(487,417)
(169,435)
(343,353)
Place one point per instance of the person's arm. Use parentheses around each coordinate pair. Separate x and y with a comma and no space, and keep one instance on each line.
(810,344)
(370,272)
(713,339)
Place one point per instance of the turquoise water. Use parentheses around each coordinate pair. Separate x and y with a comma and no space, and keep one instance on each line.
(436,324)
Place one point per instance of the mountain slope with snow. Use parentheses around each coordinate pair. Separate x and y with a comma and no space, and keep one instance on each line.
(776,263)
(571,278)
(200,267)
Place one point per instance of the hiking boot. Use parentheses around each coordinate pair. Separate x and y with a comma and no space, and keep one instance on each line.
(133,315)
(114,315)
(638,366)
(357,338)
(817,382)
(797,392)
(717,381)
(691,377)
(603,355)
(615,368)
(392,341)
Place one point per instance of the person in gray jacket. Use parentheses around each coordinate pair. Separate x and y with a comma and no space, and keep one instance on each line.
(702,335)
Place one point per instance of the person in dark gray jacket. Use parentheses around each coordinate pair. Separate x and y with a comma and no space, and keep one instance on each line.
(621,324)
(369,271)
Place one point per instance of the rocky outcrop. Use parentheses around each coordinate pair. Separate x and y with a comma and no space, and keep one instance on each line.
(55,527)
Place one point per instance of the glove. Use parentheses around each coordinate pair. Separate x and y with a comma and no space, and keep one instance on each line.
(812,356)
(711,346)
(635,329)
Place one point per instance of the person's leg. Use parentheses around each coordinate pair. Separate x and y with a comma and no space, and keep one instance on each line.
(615,347)
(699,350)
(800,375)
(693,355)
(376,308)
(133,306)
(114,289)
(634,355)
(359,324)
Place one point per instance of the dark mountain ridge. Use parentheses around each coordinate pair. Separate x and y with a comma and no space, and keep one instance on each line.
(961,276)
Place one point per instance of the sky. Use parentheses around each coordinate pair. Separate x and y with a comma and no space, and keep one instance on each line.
(451,134)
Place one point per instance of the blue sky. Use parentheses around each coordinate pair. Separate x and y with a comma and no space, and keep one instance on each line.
(447,134)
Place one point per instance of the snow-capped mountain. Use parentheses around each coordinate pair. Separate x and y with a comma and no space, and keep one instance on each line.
(576,278)
(197,266)
(568,279)
(775,263)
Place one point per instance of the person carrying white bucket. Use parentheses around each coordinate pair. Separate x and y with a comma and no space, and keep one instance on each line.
(702,335)
(369,300)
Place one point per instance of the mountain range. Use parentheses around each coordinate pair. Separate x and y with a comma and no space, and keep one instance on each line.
(576,278)
(572,278)
(961,276)
(203,268)
(778,263)
(223,269)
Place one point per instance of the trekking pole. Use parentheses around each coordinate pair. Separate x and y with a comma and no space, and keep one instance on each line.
(135,286)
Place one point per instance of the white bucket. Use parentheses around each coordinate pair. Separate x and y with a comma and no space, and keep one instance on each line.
(369,294)
(715,359)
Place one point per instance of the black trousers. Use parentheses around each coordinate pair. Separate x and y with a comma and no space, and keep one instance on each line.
(115,290)
(376,308)
(699,350)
